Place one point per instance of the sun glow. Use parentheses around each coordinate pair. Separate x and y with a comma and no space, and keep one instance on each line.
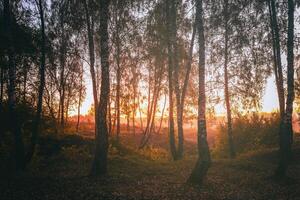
(269,101)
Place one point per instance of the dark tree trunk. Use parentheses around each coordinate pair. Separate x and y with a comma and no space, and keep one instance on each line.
(180,95)
(158,73)
(286,128)
(118,89)
(277,57)
(2,84)
(188,68)
(79,100)
(173,38)
(62,72)
(128,122)
(162,115)
(140,112)
(49,104)
(149,104)
(183,94)
(149,94)
(118,101)
(109,117)
(170,80)
(62,99)
(204,160)
(133,116)
(37,121)
(68,104)
(275,67)
(113,121)
(14,125)
(134,101)
(100,160)
(1,92)
(150,125)
(58,112)
(226,85)
(90,32)
(118,98)
(78,113)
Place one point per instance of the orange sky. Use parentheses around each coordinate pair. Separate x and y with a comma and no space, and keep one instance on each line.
(269,102)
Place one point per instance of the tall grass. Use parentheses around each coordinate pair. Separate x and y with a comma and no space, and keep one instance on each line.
(250,132)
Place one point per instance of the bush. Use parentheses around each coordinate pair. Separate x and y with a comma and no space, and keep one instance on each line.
(154,153)
(76,153)
(250,132)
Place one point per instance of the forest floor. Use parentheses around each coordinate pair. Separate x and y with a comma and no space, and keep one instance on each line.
(61,171)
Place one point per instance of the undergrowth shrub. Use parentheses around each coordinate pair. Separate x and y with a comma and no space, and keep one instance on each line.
(75,152)
(250,132)
(149,151)
(154,153)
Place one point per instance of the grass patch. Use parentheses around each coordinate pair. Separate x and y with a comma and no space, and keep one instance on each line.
(147,174)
